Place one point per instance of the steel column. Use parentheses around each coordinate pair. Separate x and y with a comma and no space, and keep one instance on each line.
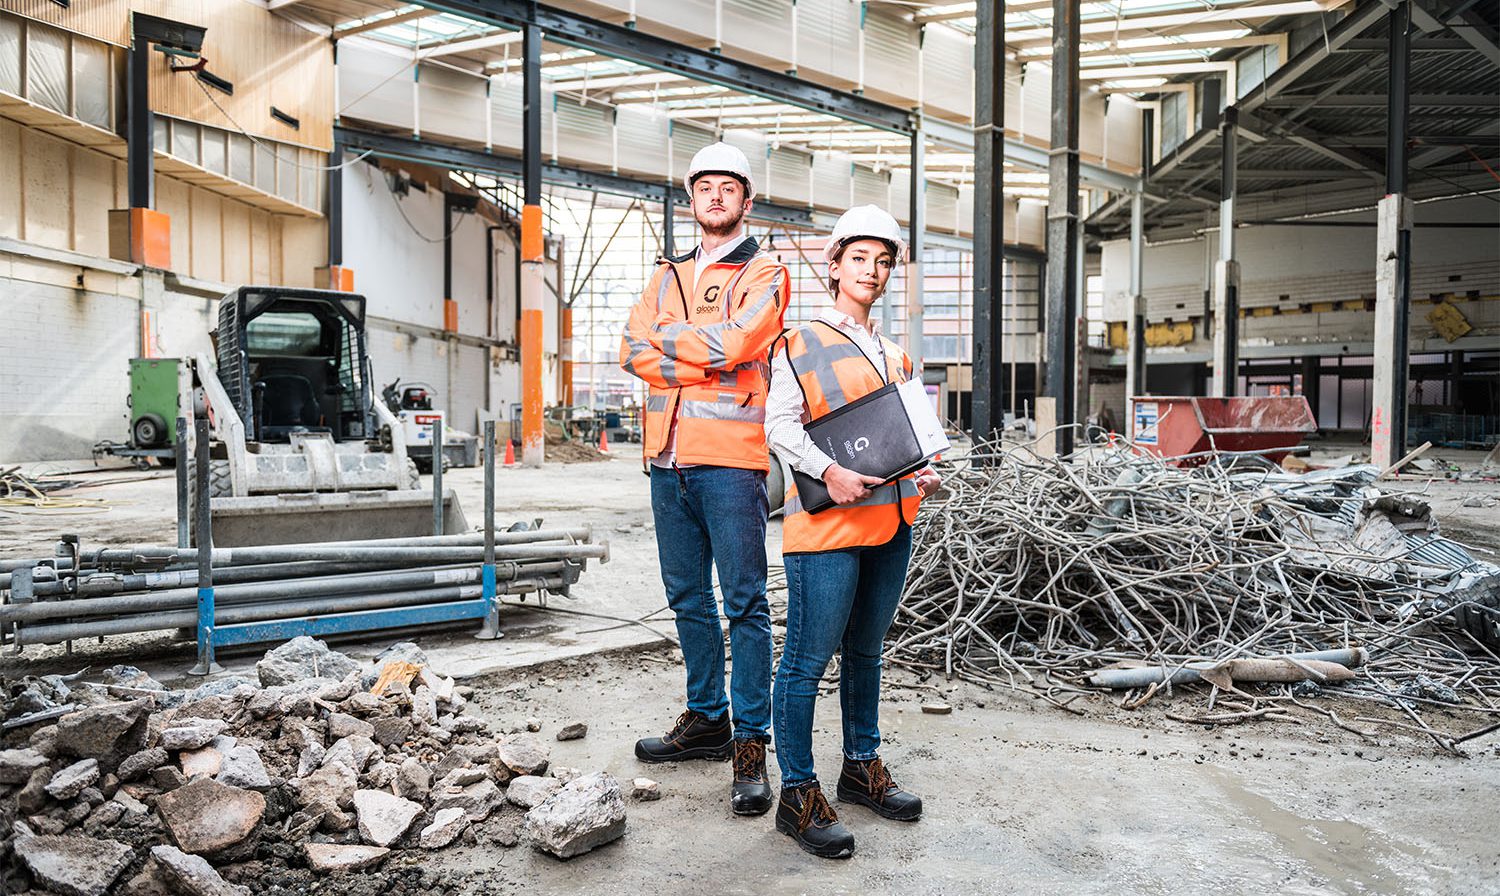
(1226,293)
(437,475)
(180,456)
(1393,258)
(667,214)
(532,250)
(918,228)
(988,398)
(140,164)
(1062,223)
(205,538)
(1135,327)
(491,628)
(335,210)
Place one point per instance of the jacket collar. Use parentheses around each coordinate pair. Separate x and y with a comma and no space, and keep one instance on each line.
(742,254)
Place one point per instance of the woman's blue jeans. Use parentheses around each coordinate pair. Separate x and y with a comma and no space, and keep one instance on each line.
(837,600)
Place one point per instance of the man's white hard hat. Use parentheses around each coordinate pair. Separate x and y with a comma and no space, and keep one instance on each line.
(865,222)
(720,158)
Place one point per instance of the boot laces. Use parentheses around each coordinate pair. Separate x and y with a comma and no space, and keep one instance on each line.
(749,755)
(815,811)
(681,725)
(880,780)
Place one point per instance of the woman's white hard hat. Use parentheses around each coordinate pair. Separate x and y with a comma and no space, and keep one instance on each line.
(720,158)
(865,222)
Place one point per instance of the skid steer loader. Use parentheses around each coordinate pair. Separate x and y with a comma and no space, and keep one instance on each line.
(301,451)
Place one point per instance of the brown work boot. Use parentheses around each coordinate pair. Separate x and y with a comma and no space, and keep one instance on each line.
(805,816)
(694,736)
(751,792)
(869,784)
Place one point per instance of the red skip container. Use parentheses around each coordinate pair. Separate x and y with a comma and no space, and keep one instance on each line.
(1172,427)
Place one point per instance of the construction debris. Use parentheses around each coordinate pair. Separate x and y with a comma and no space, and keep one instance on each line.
(1036,573)
(200,791)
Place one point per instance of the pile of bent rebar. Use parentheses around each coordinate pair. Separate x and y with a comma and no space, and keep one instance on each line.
(1035,573)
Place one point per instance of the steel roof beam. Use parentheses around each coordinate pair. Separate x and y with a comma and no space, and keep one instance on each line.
(564,27)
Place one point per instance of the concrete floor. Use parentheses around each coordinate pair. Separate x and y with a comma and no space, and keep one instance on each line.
(1020,797)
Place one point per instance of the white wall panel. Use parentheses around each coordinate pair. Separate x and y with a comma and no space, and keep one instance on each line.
(452,103)
(759,26)
(827,35)
(788,176)
(374,85)
(642,137)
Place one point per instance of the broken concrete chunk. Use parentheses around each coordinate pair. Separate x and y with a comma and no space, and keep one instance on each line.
(73,865)
(328,858)
(574,731)
(333,784)
(354,751)
(463,777)
(585,814)
(391,730)
(16,766)
(213,819)
(191,875)
(200,763)
(242,767)
(343,725)
(108,733)
(191,734)
(524,754)
(413,781)
(477,800)
(447,825)
(167,777)
(138,764)
(423,706)
(301,659)
(529,790)
(70,781)
(937,709)
(384,817)
(564,774)
(533,724)
(130,804)
(645,790)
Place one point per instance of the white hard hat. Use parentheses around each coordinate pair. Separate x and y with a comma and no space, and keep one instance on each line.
(865,222)
(720,158)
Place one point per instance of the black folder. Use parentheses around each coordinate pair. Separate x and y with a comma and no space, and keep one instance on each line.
(870,435)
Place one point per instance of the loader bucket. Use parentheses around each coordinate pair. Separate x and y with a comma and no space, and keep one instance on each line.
(305,517)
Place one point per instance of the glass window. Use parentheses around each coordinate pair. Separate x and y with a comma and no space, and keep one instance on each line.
(296,333)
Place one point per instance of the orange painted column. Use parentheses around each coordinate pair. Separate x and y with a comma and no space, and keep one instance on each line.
(532,334)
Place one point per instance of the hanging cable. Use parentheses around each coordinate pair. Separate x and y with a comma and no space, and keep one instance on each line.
(257,141)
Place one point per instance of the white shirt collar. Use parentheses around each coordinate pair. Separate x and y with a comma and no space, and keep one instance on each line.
(703,259)
(846,322)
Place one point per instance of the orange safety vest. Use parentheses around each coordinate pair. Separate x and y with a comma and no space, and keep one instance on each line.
(833,372)
(720,422)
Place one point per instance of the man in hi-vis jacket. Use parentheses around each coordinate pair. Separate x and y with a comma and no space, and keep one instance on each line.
(700,337)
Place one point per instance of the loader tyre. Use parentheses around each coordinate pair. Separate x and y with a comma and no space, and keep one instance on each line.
(220,485)
(413,475)
(1480,617)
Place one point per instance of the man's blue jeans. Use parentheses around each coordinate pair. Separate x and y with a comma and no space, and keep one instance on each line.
(842,600)
(715,517)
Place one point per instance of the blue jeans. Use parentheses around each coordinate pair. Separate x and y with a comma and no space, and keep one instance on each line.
(842,600)
(715,517)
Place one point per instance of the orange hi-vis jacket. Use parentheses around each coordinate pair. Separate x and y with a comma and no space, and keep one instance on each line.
(833,372)
(704,352)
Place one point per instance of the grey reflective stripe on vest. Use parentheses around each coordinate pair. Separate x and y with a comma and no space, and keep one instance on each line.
(657,403)
(891,493)
(721,410)
(713,334)
(819,360)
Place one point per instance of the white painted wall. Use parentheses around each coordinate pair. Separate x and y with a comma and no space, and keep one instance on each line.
(1283,267)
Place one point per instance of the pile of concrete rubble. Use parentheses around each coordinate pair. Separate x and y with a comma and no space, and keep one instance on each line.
(323,765)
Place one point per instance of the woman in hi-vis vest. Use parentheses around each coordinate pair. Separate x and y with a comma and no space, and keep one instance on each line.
(845,565)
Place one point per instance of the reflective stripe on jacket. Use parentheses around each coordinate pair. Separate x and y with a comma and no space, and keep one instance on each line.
(704,353)
(833,372)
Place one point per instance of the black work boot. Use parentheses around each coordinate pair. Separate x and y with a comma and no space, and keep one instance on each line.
(751,792)
(869,784)
(805,816)
(694,736)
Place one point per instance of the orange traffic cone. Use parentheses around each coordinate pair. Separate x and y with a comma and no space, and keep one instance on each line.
(510,453)
(603,441)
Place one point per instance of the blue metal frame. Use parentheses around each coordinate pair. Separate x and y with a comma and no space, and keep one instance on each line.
(345,623)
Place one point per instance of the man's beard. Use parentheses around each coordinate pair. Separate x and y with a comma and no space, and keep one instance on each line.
(719,231)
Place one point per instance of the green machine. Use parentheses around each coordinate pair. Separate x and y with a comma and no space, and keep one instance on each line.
(155,384)
(153,409)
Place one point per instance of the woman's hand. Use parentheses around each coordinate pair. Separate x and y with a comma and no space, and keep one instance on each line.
(846,486)
(928,482)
